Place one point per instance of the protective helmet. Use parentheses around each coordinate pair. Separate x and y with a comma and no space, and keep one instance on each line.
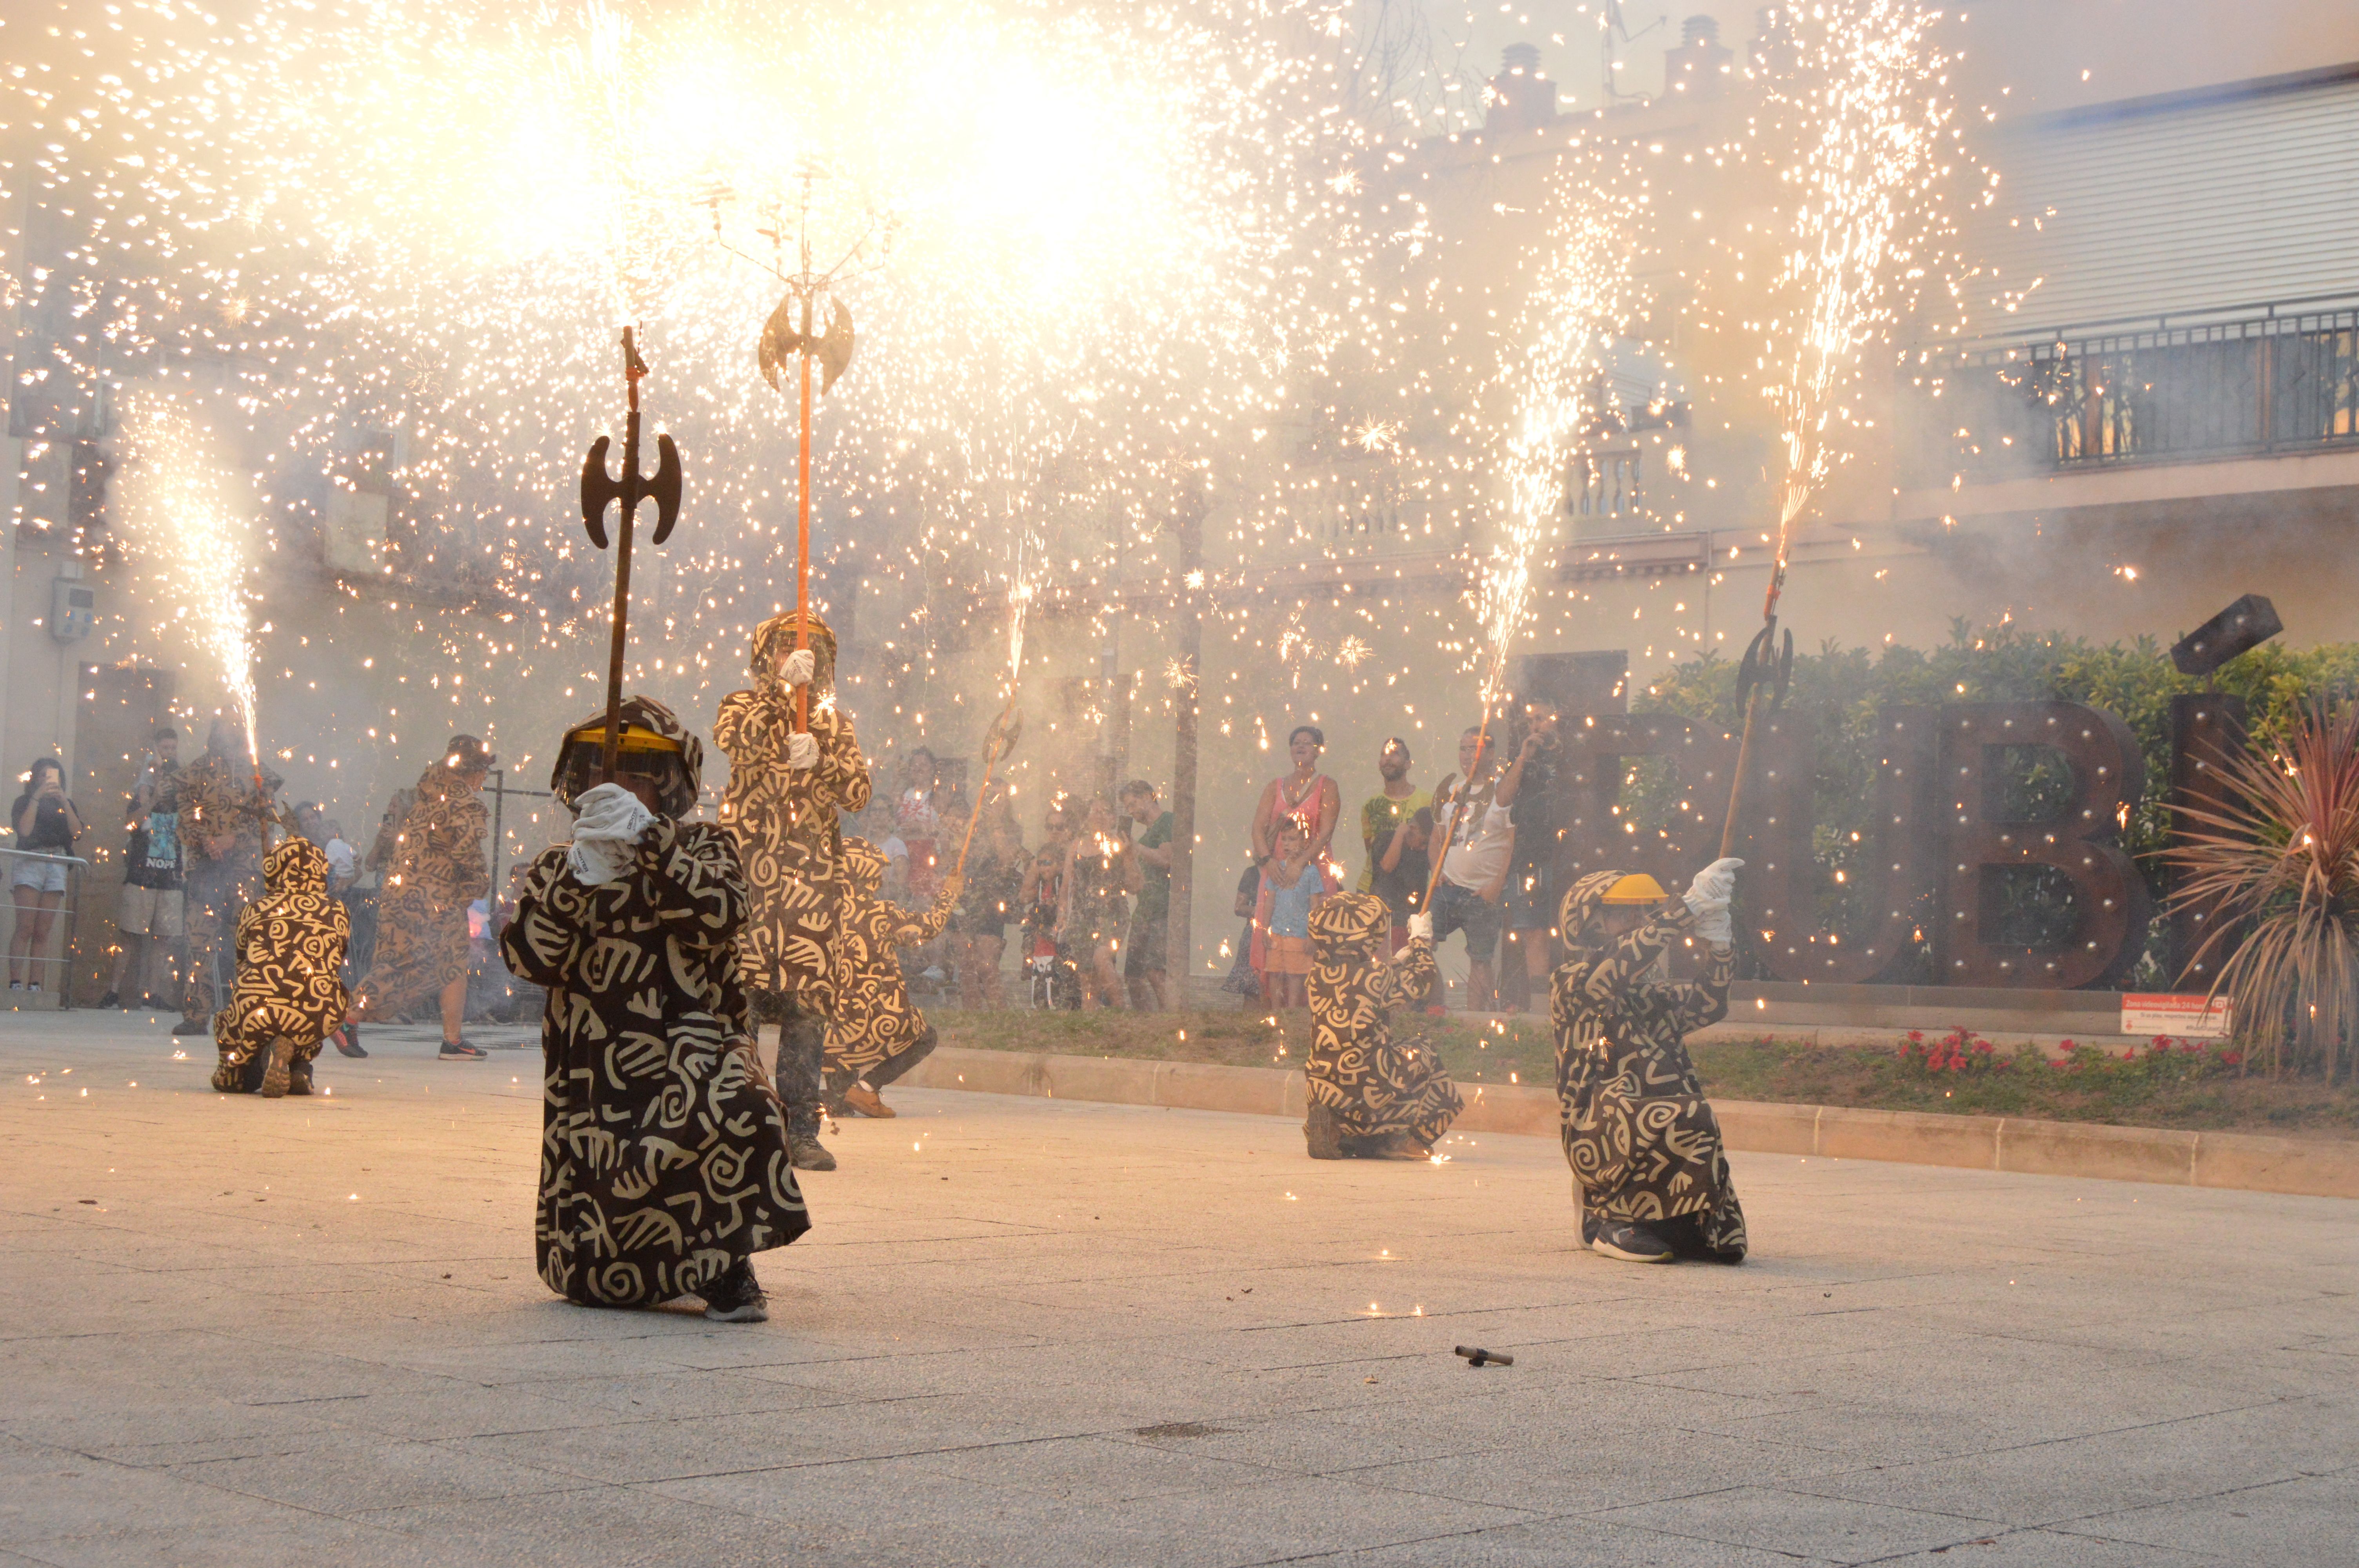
(656,745)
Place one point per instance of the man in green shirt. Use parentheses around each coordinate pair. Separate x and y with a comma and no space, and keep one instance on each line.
(1143,966)
(1398,865)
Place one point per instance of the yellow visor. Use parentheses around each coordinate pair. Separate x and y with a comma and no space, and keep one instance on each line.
(1635,888)
(634,738)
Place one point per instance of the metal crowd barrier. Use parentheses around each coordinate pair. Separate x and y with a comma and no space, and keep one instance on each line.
(68,914)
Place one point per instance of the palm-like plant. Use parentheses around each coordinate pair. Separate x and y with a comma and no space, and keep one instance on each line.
(2275,869)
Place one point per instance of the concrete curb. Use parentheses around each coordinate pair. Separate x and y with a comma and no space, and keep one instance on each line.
(2240,1160)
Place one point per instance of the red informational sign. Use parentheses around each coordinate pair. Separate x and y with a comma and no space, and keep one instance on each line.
(2181,1017)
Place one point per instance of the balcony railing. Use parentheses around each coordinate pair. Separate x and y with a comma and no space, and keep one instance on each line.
(2275,379)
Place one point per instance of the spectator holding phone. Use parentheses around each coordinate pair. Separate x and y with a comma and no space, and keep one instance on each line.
(46,823)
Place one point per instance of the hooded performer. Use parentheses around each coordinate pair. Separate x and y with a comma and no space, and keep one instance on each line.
(876,1033)
(1643,1143)
(785,790)
(663,1150)
(290,988)
(1370,1098)
(421,922)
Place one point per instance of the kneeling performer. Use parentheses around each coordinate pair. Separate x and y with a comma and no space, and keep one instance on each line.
(289,992)
(1370,1097)
(1643,1143)
(663,1155)
(878,1033)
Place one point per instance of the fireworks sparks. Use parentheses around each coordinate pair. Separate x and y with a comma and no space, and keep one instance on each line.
(1558,370)
(176,504)
(1872,118)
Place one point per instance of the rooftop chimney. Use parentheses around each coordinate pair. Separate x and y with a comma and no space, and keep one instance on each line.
(1699,66)
(1521,99)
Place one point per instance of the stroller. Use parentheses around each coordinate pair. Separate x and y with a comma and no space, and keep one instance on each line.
(1051,978)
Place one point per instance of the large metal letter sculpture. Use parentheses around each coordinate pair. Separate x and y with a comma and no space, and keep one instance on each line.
(1781,890)
(2080,840)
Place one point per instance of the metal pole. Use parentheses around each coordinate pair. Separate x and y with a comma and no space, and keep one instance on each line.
(802,522)
(499,804)
(1179,949)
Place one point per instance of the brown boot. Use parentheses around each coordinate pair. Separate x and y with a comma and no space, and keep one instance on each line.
(1323,1133)
(862,1100)
(274,1074)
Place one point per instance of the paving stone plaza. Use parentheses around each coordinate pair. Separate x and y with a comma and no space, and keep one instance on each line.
(1024,1332)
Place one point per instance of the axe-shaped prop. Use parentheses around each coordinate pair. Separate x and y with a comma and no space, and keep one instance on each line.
(662,487)
(787,335)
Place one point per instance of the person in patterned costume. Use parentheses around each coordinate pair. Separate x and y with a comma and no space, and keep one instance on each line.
(663,1155)
(785,790)
(1371,1097)
(437,869)
(222,818)
(876,1032)
(290,988)
(1641,1141)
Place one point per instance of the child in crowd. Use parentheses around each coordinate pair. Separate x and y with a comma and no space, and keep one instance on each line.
(1282,919)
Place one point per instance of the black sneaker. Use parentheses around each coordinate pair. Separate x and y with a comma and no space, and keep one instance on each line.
(736,1296)
(808,1154)
(299,1079)
(110,1000)
(1631,1243)
(347,1041)
(193,1026)
(1591,1224)
(460,1051)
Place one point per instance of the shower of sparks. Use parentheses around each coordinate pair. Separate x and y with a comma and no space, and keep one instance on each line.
(175,504)
(1580,298)
(1868,94)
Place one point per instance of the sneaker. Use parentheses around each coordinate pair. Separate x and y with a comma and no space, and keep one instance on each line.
(1631,1243)
(299,1079)
(1590,1226)
(274,1071)
(808,1154)
(460,1051)
(347,1041)
(1323,1133)
(1398,1146)
(862,1100)
(193,1026)
(35,989)
(736,1296)
(15,985)
(110,1000)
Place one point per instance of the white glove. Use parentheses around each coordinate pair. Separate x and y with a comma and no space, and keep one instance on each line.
(1420,927)
(802,749)
(607,825)
(1708,899)
(798,668)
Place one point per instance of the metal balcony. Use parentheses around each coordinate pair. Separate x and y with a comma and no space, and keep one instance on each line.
(2268,380)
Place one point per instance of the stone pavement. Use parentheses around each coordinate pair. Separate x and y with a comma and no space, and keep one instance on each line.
(1038,1331)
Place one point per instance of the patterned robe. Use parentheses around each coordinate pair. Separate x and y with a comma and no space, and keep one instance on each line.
(1639,1135)
(290,957)
(216,797)
(663,1152)
(874,1020)
(421,916)
(1373,1084)
(785,821)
